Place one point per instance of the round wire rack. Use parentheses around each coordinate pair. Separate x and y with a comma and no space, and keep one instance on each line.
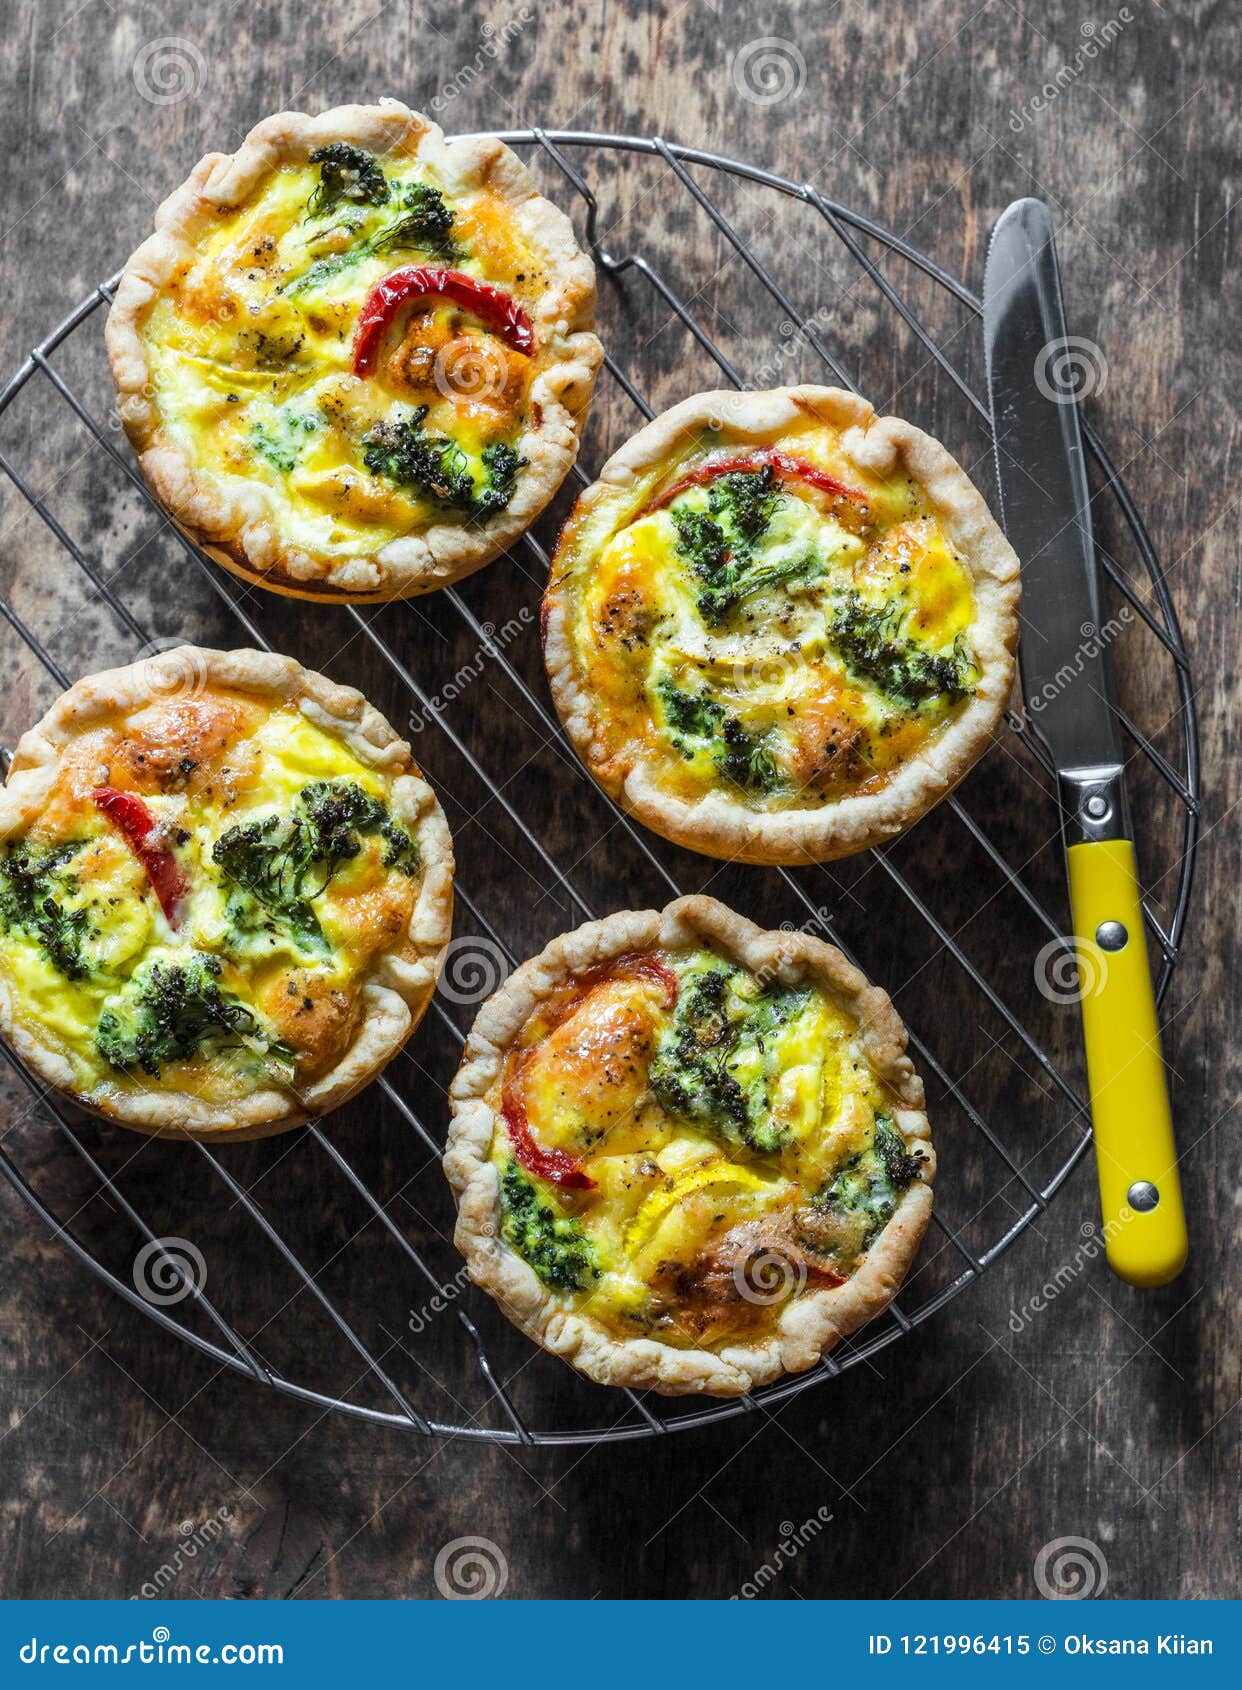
(961,927)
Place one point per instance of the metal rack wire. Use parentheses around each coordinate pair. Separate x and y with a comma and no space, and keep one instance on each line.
(644,1416)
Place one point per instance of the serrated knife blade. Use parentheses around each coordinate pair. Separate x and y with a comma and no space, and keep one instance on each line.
(1045,503)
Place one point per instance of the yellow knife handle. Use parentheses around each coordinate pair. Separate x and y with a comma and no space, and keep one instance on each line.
(1140,1193)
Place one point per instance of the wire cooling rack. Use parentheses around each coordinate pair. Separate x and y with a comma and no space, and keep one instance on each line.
(974,949)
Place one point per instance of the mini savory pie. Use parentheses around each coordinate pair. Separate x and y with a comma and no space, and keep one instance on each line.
(354,359)
(689,1155)
(224,892)
(778,627)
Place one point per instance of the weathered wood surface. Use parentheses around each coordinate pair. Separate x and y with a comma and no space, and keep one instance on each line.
(949,1463)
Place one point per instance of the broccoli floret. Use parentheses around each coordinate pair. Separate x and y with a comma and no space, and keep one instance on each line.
(688,1073)
(748,500)
(436,466)
(740,755)
(901,1167)
(698,716)
(702,542)
(740,582)
(345,173)
(425,225)
(719,542)
(32,883)
(554,1245)
(714,1032)
(284,862)
(866,637)
(869,1185)
(746,760)
(501,463)
(175,1009)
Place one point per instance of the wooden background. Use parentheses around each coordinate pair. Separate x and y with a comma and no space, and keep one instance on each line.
(949,1462)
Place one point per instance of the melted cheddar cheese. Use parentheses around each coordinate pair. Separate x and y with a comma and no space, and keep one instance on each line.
(250,349)
(294,868)
(729,1144)
(770,622)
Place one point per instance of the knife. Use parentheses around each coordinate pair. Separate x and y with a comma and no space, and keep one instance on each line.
(1068,687)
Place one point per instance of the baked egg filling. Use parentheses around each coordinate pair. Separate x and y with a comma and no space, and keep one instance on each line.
(196,905)
(252,352)
(768,620)
(682,1146)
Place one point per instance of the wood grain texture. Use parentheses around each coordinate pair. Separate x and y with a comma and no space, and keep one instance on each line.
(995,1429)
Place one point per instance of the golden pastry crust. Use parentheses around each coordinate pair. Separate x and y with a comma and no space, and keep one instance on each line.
(800,1330)
(723,822)
(238,522)
(393,991)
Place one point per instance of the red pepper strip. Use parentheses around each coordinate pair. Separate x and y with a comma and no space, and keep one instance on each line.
(135,823)
(499,310)
(746,463)
(558,1167)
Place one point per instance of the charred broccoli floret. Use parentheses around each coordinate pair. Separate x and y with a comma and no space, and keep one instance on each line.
(33,883)
(553,1245)
(715,1032)
(719,541)
(348,174)
(740,755)
(436,466)
(425,225)
(868,1186)
(175,1008)
(868,638)
(284,862)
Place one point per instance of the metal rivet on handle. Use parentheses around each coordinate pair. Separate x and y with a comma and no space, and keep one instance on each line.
(1111,936)
(1097,806)
(1143,1196)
